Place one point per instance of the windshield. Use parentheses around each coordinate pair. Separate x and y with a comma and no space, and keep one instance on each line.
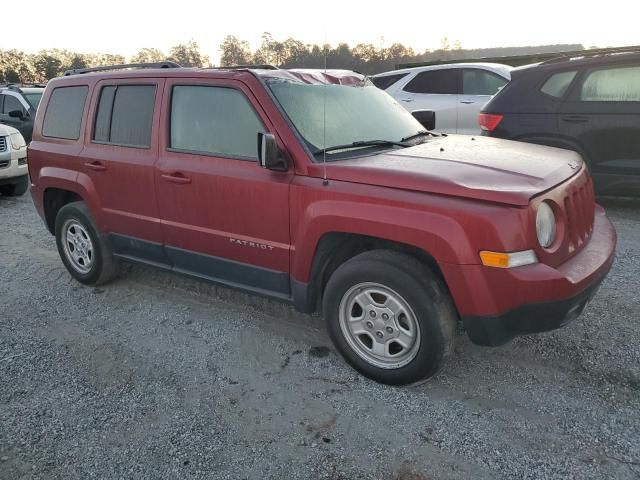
(354,113)
(33,99)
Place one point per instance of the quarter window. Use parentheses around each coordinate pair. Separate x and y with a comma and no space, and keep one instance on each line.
(63,116)
(481,82)
(215,121)
(435,81)
(558,83)
(125,115)
(620,84)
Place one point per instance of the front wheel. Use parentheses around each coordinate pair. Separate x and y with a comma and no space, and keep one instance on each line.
(390,317)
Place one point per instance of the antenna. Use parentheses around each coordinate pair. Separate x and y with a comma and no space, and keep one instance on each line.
(325,181)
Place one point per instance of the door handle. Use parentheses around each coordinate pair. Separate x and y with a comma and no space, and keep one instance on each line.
(176,177)
(406,100)
(575,119)
(467,102)
(95,166)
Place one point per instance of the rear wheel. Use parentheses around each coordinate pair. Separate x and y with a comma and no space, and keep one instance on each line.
(15,189)
(86,254)
(390,317)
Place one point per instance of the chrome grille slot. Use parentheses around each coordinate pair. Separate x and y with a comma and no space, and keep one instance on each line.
(579,211)
(3,144)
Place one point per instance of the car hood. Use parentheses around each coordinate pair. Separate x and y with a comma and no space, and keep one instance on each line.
(482,168)
(6,130)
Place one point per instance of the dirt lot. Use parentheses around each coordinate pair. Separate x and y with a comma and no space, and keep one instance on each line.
(156,376)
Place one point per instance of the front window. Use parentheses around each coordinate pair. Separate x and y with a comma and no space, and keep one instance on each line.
(327,115)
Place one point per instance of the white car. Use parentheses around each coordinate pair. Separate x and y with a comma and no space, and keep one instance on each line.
(455,92)
(14,176)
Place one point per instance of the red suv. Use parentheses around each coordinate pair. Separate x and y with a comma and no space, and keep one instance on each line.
(318,189)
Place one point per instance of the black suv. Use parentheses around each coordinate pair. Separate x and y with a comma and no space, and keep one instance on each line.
(18,105)
(589,104)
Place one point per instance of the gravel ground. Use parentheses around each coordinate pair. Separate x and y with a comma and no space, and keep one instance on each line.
(158,376)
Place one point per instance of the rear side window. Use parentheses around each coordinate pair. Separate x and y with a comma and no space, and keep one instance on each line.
(386,81)
(125,115)
(558,83)
(215,121)
(620,84)
(481,82)
(63,116)
(435,81)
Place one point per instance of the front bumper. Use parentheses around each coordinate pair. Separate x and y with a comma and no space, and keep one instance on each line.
(16,167)
(498,304)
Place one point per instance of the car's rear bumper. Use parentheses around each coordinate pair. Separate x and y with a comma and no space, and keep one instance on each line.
(499,304)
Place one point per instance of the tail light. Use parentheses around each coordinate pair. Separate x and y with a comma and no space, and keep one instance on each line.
(490,121)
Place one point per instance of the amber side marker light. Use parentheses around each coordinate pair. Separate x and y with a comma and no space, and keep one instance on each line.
(508,260)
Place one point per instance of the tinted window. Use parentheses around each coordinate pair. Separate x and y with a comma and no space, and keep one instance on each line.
(64,112)
(125,115)
(214,120)
(10,104)
(387,80)
(558,83)
(481,82)
(620,84)
(435,81)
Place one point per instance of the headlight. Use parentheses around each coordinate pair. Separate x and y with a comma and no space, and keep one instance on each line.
(545,225)
(17,141)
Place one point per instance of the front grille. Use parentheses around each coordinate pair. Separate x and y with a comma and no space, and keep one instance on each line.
(3,144)
(579,207)
(5,163)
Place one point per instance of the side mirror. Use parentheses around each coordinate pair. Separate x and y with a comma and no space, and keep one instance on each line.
(17,114)
(269,155)
(426,117)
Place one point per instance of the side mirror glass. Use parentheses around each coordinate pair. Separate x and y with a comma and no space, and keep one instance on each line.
(17,114)
(427,118)
(269,155)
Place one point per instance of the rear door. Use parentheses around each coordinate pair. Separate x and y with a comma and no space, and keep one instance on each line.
(223,217)
(477,86)
(121,148)
(602,112)
(433,90)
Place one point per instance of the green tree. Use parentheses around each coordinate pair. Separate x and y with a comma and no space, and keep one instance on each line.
(188,55)
(234,51)
(149,55)
(47,64)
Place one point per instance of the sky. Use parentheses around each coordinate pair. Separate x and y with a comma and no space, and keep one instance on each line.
(125,26)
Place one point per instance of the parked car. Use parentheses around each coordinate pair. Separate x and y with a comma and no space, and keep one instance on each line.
(455,92)
(319,189)
(18,105)
(13,162)
(589,104)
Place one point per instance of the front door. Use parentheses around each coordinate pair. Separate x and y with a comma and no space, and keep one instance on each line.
(602,112)
(223,217)
(433,90)
(477,86)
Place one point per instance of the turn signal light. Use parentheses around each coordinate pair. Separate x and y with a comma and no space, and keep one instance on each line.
(489,121)
(507,260)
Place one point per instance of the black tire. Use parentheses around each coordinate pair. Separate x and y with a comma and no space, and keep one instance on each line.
(422,290)
(15,189)
(103,267)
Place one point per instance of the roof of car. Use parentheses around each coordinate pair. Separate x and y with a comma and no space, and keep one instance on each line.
(580,60)
(483,65)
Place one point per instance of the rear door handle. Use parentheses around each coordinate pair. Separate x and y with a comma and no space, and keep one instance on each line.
(176,177)
(467,102)
(407,100)
(575,119)
(95,166)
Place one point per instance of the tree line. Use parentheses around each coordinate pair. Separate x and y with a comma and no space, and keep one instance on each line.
(20,67)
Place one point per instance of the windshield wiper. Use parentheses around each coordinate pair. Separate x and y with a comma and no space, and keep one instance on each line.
(361,144)
(419,134)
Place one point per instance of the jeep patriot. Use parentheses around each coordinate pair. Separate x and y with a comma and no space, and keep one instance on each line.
(317,188)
